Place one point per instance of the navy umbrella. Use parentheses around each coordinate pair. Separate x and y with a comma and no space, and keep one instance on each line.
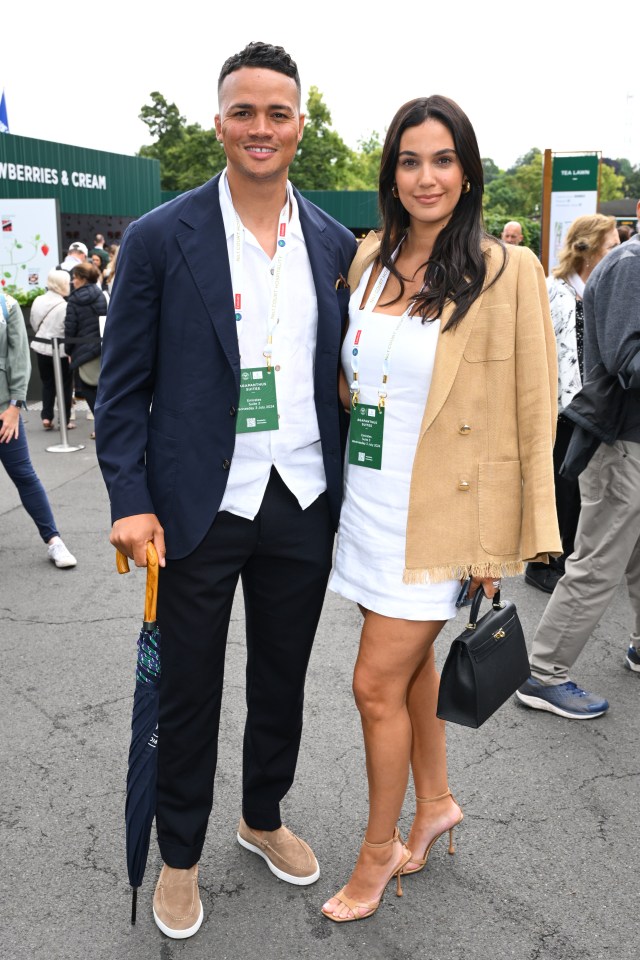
(140,806)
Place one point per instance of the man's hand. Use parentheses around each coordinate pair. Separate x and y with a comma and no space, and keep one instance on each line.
(130,536)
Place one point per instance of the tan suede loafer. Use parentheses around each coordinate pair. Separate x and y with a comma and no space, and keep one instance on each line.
(287,856)
(177,909)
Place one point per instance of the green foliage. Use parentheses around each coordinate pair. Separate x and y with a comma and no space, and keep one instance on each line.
(517,194)
(24,297)
(530,229)
(366,163)
(189,155)
(631,175)
(323,159)
(491,170)
(163,119)
(611,184)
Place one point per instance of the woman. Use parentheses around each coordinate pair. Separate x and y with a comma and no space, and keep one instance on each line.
(588,240)
(450,354)
(47,320)
(15,368)
(109,274)
(86,304)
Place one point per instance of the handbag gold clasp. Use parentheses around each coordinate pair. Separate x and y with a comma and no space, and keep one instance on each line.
(499,634)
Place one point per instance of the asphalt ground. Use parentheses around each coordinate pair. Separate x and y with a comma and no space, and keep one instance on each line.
(547,861)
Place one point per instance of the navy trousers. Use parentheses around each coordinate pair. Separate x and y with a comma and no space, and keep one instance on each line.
(283,558)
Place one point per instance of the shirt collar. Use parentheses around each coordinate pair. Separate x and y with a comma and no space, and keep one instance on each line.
(577,283)
(229,214)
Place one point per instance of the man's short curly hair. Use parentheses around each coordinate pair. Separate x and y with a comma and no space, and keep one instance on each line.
(261,55)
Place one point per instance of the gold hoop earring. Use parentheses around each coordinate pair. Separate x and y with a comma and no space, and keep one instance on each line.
(394,191)
(466,186)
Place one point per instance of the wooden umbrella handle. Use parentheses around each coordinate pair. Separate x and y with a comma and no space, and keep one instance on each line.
(151,592)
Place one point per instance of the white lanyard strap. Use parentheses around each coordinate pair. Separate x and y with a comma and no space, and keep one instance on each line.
(372,300)
(276,287)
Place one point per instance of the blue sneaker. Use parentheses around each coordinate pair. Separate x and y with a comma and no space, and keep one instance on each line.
(565,699)
(633,659)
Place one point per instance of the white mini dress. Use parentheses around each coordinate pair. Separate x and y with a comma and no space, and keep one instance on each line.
(370,551)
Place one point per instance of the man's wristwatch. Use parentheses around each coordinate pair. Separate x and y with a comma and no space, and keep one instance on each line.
(16,403)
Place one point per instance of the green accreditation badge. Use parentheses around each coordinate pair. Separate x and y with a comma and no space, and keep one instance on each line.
(365,436)
(258,406)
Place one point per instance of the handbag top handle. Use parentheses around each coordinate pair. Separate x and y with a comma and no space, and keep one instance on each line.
(475,606)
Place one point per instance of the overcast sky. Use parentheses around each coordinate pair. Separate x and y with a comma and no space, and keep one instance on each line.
(555,75)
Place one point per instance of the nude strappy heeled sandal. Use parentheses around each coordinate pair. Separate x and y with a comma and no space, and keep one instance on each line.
(371,907)
(423,860)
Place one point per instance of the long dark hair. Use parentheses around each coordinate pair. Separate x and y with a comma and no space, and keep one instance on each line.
(456,270)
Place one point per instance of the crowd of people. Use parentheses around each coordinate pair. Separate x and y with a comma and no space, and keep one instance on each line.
(75,299)
(266,384)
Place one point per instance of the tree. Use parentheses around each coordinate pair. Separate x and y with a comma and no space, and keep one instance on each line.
(323,159)
(491,170)
(611,184)
(365,164)
(188,154)
(517,194)
(163,119)
(631,179)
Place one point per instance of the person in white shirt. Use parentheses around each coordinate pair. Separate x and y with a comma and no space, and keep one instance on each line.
(220,436)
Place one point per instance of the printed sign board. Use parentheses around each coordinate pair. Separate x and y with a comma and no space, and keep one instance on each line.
(574,192)
(29,242)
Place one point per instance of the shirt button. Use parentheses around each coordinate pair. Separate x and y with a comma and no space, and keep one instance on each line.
(464,485)
(464,429)
(232,411)
(277,366)
(226,464)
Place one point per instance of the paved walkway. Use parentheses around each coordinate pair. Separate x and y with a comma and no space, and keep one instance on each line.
(547,859)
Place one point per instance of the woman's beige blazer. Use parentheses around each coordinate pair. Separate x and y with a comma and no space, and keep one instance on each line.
(482,496)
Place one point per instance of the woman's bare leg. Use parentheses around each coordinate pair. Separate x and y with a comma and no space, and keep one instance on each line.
(391,651)
(428,760)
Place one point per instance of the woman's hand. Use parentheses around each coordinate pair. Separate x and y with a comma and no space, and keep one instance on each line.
(9,424)
(490,585)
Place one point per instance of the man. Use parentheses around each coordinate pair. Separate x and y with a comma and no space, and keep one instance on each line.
(99,250)
(220,433)
(607,544)
(77,253)
(512,233)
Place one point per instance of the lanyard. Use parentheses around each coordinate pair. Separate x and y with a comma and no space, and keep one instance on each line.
(374,296)
(238,273)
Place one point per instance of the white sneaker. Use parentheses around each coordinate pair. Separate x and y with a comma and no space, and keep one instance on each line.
(59,554)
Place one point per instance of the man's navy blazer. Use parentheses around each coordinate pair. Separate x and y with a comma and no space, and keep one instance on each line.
(165,416)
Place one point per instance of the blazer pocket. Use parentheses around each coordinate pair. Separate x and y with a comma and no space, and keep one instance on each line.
(500,507)
(492,336)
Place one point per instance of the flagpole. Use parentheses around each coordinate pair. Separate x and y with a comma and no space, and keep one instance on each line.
(4,119)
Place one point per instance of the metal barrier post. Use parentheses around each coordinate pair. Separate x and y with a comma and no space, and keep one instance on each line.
(64,446)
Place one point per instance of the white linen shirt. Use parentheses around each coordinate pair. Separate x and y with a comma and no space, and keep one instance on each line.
(294,449)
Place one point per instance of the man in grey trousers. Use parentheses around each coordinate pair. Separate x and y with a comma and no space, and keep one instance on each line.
(607,544)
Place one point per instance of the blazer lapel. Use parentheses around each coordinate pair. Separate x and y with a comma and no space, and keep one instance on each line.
(322,259)
(449,352)
(448,356)
(203,243)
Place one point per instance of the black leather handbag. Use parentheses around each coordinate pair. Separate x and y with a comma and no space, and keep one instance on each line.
(485,665)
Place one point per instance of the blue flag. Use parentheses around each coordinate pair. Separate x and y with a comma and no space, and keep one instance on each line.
(4,120)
